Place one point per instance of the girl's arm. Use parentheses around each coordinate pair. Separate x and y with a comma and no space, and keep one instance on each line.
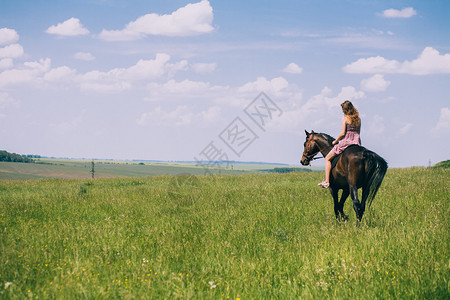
(343,129)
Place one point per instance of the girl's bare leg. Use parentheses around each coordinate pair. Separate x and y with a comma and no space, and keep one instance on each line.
(328,159)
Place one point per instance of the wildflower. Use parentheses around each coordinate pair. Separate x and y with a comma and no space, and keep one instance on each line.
(323,285)
(7,284)
(212,285)
(144,261)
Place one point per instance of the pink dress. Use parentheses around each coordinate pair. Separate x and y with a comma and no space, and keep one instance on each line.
(351,138)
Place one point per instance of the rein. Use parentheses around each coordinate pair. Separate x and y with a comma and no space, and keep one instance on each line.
(310,157)
(314,158)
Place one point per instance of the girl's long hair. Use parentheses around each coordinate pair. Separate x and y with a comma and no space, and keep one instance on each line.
(349,110)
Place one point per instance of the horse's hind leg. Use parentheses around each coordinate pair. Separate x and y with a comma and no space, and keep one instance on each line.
(365,194)
(344,197)
(356,205)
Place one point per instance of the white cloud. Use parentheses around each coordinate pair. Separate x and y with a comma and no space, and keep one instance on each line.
(11,51)
(8,36)
(277,88)
(406,12)
(376,125)
(29,73)
(325,100)
(430,61)
(204,67)
(148,69)
(376,83)
(211,115)
(70,27)
(119,35)
(264,85)
(181,116)
(108,88)
(86,56)
(346,93)
(60,74)
(69,125)
(182,65)
(192,19)
(321,112)
(186,89)
(6,101)
(369,65)
(119,79)
(41,66)
(405,128)
(114,80)
(443,125)
(16,76)
(375,39)
(293,68)
(6,63)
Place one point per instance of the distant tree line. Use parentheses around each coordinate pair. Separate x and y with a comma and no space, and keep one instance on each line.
(14,157)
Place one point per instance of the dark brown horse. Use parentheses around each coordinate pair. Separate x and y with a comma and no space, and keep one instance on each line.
(356,168)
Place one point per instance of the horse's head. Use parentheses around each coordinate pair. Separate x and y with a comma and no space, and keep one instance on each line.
(311,148)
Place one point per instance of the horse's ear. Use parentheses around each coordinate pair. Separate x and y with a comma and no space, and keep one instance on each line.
(312,131)
(307,133)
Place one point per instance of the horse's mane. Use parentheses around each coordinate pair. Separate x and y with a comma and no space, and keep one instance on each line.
(327,137)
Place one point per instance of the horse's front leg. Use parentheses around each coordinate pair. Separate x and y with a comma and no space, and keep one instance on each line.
(334,193)
(356,205)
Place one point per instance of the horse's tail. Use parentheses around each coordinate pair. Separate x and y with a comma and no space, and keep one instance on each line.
(376,168)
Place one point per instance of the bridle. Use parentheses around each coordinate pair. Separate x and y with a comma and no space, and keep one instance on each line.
(310,157)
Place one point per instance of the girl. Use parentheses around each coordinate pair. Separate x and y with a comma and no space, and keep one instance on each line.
(351,127)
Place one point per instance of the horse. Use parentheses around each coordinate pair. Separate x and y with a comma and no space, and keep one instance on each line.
(357,167)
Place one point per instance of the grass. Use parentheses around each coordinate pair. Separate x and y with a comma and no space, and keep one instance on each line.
(73,169)
(81,169)
(248,237)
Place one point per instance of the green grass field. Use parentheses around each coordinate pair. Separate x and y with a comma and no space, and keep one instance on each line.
(248,237)
(77,169)
(81,169)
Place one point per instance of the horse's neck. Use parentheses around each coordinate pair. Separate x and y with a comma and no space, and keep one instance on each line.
(324,146)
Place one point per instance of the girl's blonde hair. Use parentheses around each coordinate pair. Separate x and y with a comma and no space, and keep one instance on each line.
(349,110)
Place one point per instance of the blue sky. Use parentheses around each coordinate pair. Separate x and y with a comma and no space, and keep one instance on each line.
(164,79)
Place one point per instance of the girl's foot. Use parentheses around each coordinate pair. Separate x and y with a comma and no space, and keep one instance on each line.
(324,184)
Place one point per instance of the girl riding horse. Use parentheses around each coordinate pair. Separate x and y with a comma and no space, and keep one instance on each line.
(350,129)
